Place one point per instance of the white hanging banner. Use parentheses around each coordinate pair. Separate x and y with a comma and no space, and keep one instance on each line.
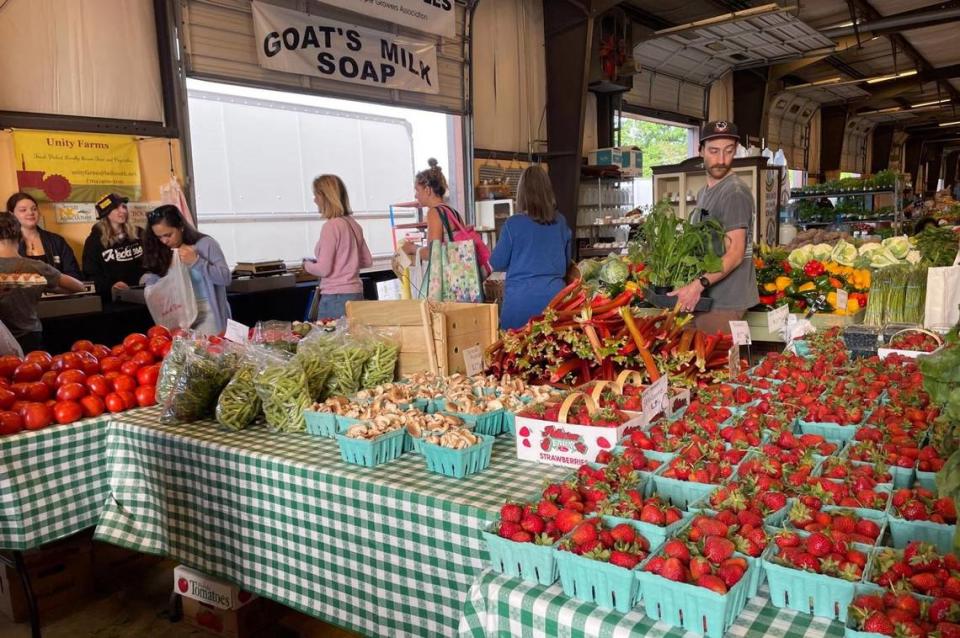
(305,44)
(430,16)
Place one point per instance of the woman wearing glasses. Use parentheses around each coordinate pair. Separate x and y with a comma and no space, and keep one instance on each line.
(209,272)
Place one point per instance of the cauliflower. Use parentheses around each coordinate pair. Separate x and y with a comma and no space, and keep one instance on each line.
(898,246)
(844,253)
(865,248)
(799,257)
(821,252)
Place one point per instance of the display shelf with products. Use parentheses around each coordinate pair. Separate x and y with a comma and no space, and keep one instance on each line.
(605,203)
(851,203)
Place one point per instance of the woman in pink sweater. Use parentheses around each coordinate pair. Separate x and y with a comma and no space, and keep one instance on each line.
(341,251)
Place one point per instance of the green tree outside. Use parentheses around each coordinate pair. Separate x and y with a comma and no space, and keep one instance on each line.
(661,143)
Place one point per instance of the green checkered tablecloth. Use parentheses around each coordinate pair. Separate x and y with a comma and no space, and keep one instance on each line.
(503,607)
(387,551)
(53,482)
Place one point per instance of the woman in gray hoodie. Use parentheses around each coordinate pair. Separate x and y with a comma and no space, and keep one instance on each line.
(209,272)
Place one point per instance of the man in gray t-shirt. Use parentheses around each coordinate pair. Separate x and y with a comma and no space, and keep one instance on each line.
(727,199)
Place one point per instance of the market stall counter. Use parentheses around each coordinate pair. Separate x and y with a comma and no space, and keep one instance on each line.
(387,551)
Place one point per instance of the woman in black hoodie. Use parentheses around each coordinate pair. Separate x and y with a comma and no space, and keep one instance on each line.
(112,254)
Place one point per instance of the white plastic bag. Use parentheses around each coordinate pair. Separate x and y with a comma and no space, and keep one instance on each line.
(943,297)
(170,300)
(8,343)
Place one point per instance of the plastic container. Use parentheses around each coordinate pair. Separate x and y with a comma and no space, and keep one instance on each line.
(510,422)
(833,432)
(878,517)
(926,480)
(371,453)
(862,339)
(528,561)
(489,423)
(653,533)
(806,592)
(458,463)
(681,493)
(321,423)
(903,531)
(344,422)
(694,608)
(598,582)
(903,476)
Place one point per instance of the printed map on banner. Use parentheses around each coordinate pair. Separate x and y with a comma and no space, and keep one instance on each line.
(60,166)
(430,16)
(309,44)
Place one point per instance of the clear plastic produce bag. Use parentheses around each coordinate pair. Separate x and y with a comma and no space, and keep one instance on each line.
(239,405)
(281,384)
(381,366)
(205,372)
(348,358)
(314,354)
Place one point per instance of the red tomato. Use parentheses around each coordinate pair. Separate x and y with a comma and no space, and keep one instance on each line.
(20,407)
(129,399)
(57,363)
(71,392)
(19,390)
(114,402)
(38,391)
(67,412)
(89,363)
(113,374)
(143,358)
(6,398)
(100,351)
(83,345)
(10,423)
(28,371)
(99,385)
(134,337)
(71,376)
(124,383)
(158,331)
(135,347)
(130,368)
(146,395)
(9,363)
(92,405)
(50,378)
(110,364)
(44,359)
(148,375)
(118,350)
(4,382)
(72,361)
(37,416)
(160,346)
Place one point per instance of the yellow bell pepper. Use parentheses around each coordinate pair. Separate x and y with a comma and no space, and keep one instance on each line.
(770,287)
(832,299)
(853,306)
(807,287)
(783,282)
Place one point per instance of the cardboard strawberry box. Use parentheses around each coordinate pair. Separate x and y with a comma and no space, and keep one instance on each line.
(246,622)
(558,441)
(195,585)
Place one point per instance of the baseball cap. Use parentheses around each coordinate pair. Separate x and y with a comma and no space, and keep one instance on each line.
(718,128)
(108,202)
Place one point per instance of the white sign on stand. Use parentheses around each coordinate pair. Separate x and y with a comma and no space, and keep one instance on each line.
(473,360)
(236,332)
(740,331)
(842,297)
(654,399)
(777,319)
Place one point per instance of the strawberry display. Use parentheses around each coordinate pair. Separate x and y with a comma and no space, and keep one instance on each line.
(836,468)
(835,409)
(919,568)
(903,614)
(728,395)
(839,524)
(621,545)
(820,554)
(707,417)
(789,467)
(703,463)
(898,419)
(803,392)
(921,504)
(758,496)
(818,491)
(524,523)
(889,454)
(930,459)
(914,340)
(814,442)
(652,510)
(632,457)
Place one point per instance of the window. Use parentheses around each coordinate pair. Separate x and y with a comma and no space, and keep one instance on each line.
(256,153)
(662,143)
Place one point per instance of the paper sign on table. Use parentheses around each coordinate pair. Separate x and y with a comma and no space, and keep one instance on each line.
(654,399)
(740,331)
(236,332)
(733,361)
(473,360)
(842,298)
(777,319)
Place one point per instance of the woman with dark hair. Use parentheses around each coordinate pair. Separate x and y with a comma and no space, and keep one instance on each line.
(37,243)
(533,249)
(209,272)
(22,281)
(430,187)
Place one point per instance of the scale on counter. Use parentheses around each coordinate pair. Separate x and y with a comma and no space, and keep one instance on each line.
(259,268)
(254,276)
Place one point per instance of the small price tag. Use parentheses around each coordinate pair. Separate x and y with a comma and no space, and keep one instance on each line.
(740,331)
(654,399)
(777,319)
(236,332)
(473,360)
(679,401)
(842,297)
(733,361)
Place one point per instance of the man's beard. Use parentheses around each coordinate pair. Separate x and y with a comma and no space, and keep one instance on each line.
(719,170)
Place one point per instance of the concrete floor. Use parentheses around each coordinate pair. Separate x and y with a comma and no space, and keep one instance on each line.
(136,606)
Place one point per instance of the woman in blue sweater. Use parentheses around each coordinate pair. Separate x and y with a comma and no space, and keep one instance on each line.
(533,249)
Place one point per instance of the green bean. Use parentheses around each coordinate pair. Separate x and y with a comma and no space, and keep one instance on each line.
(317,368)
(348,363)
(172,366)
(282,388)
(193,395)
(381,365)
(239,405)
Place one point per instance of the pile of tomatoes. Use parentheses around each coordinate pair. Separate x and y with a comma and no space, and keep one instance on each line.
(42,389)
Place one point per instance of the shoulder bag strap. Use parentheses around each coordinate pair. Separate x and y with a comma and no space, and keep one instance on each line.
(442,212)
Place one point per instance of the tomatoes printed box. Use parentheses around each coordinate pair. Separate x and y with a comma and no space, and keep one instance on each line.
(190,583)
(566,444)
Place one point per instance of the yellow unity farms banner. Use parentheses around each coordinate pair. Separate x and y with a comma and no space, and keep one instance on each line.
(59,166)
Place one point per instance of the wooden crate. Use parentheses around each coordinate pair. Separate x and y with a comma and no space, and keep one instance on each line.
(432,335)
(60,573)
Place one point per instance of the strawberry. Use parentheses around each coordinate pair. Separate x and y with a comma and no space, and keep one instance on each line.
(508,529)
(511,512)
(567,519)
(585,532)
(787,539)
(948,630)
(698,567)
(673,569)
(943,609)
(675,548)
(818,544)
(521,537)
(923,583)
(730,574)
(713,583)
(653,515)
(623,559)
(717,549)
(907,604)
(532,523)
(623,533)
(547,508)
(878,623)
(868,528)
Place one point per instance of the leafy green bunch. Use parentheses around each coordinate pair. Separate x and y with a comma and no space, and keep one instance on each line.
(676,251)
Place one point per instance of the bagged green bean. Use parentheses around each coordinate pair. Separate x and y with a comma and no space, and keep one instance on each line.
(347,358)
(239,405)
(281,385)
(277,335)
(314,355)
(193,395)
(173,363)
(381,365)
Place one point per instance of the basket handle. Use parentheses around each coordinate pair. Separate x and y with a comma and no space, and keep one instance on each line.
(573,398)
(599,387)
(634,377)
(935,336)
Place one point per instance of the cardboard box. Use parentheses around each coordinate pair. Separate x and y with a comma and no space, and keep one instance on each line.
(628,158)
(565,444)
(60,573)
(244,622)
(194,585)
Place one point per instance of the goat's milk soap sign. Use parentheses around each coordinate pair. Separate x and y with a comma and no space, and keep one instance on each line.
(305,44)
(429,16)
